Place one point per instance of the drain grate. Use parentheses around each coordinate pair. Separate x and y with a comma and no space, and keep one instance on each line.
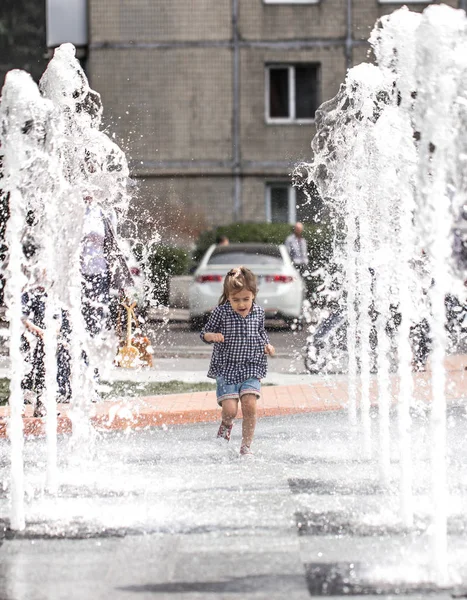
(322,460)
(321,487)
(83,531)
(341,523)
(353,579)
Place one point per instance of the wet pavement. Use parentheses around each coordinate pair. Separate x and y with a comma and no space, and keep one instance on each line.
(167,513)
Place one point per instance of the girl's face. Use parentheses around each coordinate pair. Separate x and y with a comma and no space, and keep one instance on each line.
(242,302)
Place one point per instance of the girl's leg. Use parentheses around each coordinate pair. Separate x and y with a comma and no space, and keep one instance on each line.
(39,378)
(229,411)
(249,418)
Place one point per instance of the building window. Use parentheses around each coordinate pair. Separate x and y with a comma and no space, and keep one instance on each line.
(280,205)
(292,92)
(288,204)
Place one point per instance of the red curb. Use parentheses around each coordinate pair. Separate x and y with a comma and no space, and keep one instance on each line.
(199,407)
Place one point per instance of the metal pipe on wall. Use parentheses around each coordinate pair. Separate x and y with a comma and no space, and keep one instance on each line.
(236,115)
(349,36)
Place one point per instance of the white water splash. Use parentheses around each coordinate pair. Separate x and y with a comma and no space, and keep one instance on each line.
(54,155)
(389,155)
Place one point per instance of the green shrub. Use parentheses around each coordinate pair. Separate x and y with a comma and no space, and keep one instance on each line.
(160,263)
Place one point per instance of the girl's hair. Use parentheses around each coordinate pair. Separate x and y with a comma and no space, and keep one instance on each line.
(237,280)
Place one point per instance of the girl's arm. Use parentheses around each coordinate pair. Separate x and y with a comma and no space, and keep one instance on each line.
(262,330)
(212,331)
(37,331)
(268,347)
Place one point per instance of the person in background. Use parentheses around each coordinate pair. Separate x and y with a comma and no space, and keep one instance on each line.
(238,363)
(34,300)
(222,240)
(420,335)
(105,275)
(297,248)
(95,270)
(32,346)
(104,270)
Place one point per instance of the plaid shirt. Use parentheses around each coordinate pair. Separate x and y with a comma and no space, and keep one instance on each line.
(241,354)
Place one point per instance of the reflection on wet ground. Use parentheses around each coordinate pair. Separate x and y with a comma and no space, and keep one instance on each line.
(169,513)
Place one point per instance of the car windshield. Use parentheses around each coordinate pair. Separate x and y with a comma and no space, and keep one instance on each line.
(268,255)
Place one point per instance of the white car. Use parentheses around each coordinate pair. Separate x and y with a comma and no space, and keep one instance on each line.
(281,288)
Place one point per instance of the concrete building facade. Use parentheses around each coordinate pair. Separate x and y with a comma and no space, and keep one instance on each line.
(214,99)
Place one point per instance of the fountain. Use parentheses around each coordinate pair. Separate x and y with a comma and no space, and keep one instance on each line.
(390,159)
(390,156)
(54,156)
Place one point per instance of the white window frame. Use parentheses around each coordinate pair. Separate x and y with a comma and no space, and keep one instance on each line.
(291,196)
(291,118)
(66,21)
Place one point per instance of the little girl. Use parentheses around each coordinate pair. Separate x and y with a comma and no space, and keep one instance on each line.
(238,363)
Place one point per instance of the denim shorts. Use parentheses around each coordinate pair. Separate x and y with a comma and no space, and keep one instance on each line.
(236,390)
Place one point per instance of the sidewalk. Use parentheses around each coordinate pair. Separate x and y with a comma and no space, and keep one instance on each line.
(320,394)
